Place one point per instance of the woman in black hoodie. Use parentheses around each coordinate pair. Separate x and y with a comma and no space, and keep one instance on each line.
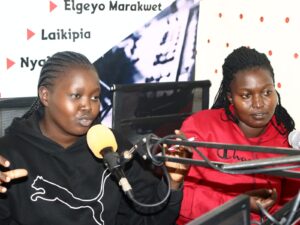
(49,175)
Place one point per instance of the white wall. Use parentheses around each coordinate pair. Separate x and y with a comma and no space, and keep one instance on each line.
(227,24)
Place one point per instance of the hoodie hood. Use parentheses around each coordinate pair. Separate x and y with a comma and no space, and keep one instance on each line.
(28,130)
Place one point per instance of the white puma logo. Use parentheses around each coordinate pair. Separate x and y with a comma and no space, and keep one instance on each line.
(49,191)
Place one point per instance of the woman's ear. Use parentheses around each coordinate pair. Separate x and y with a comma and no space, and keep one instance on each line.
(229,97)
(43,95)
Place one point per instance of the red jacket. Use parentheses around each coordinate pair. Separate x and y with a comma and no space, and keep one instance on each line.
(206,188)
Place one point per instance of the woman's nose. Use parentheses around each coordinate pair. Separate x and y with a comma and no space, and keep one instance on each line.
(257,102)
(85,104)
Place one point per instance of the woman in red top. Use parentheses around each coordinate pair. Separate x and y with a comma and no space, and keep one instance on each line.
(247,111)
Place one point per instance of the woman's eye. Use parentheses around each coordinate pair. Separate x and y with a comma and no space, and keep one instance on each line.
(96,97)
(75,95)
(267,92)
(245,96)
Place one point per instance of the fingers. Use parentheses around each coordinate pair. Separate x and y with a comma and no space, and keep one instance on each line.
(7,176)
(261,193)
(176,166)
(266,203)
(4,162)
(180,151)
(274,193)
(253,204)
(266,198)
(179,132)
(177,171)
(264,193)
(17,173)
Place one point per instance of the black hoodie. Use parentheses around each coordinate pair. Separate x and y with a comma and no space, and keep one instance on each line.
(71,187)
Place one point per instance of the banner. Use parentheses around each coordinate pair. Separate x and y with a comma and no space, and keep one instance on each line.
(128,40)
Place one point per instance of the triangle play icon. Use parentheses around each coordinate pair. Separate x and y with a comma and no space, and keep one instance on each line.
(30,33)
(9,63)
(52,6)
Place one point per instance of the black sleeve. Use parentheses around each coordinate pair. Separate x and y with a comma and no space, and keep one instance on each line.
(148,188)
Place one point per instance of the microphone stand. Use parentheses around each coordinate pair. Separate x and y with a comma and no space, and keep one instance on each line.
(267,166)
(169,140)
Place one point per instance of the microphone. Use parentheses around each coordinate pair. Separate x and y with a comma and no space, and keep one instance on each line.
(106,149)
(294,139)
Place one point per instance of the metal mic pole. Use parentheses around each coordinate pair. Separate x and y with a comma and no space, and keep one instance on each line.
(257,166)
(250,148)
(225,167)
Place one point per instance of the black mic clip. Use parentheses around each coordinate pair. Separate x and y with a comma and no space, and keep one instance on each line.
(112,160)
(139,148)
(147,148)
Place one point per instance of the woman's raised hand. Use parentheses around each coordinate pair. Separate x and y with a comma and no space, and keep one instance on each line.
(7,176)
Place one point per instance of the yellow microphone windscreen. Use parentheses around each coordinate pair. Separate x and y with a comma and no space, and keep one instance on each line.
(100,137)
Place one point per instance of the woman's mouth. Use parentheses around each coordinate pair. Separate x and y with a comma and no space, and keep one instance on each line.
(85,122)
(259,116)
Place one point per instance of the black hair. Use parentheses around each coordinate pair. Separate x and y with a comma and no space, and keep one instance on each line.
(241,59)
(56,66)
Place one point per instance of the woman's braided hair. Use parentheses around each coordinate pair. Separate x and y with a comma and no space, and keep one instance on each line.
(245,58)
(56,66)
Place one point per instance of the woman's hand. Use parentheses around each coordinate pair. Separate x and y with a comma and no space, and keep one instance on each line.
(177,171)
(7,176)
(265,197)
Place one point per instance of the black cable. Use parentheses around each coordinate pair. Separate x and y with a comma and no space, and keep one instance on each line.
(161,201)
(165,172)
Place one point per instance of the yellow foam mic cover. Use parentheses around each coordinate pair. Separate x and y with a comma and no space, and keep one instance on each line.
(100,137)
